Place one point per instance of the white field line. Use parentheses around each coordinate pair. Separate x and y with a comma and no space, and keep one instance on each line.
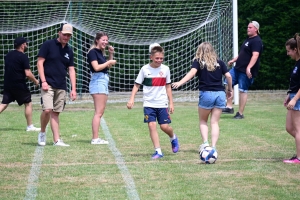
(130,186)
(33,179)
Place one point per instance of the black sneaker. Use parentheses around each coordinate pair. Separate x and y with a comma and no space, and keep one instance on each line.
(228,110)
(238,116)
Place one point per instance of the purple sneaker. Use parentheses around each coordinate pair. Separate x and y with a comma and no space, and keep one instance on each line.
(175,145)
(156,156)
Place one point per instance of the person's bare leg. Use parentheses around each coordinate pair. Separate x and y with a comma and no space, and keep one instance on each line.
(3,107)
(28,113)
(242,102)
(54,122)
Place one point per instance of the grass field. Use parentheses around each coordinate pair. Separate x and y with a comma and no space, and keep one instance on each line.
(249,165)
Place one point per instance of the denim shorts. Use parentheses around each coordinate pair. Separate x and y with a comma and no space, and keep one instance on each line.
(161,114)
(297,105)
(99,83)
(241,79)
(212,99)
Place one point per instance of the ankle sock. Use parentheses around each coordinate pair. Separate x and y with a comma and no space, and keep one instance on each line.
(158,150)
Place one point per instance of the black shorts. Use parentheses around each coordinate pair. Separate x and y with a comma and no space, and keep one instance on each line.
(21,96)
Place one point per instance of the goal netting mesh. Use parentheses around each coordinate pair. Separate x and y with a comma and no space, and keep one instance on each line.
(177,25)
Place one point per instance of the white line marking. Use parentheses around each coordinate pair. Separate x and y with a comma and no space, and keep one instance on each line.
(33,178)
(130,186)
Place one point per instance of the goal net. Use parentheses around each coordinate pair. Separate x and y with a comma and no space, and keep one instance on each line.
(177,25)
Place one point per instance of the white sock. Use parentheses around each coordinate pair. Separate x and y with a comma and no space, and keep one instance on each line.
(158,150)
(30,126)
(173,138)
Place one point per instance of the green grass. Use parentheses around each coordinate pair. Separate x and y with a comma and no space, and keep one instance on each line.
(249,165)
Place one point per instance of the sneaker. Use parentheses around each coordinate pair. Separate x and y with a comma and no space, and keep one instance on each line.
(228,110)
(293,160)
(42,139)
(32,128)
(238,116)
(60,143)
(175,145)
(156,156)
(202,146)
(99,141)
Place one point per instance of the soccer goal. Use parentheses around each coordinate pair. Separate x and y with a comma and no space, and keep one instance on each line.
(177,25)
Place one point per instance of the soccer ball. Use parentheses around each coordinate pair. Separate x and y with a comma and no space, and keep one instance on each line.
(208,151)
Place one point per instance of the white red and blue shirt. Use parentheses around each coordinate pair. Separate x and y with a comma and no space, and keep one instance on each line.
(154,81)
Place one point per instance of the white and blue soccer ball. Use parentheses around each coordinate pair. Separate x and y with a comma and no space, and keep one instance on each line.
(208,155)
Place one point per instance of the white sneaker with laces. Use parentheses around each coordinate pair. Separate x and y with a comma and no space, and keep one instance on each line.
(60,143)
(99,141)
(42,139)
(32,128)
(202,146)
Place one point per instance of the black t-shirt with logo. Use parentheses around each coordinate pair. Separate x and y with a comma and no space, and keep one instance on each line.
(57,62)
(248,47)
(210,80)
(295,78)
(96,54)
(14,76)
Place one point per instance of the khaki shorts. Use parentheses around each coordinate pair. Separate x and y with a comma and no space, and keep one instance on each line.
(54,99)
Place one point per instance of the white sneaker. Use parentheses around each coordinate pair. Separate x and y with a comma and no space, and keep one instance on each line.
(99,141)
(42,139)
(32,128)
(202,146)
(60,143)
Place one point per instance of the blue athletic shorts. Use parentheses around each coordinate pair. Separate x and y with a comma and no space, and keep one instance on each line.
(297,105)
(212,99)
(241,79)
(99,83)
(161,114)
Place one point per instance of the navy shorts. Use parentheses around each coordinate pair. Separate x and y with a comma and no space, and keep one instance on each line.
(212,99)
(21,96)
(161,114)
(241,79)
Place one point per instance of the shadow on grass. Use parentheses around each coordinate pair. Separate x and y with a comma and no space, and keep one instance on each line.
(12,129)
(31,144)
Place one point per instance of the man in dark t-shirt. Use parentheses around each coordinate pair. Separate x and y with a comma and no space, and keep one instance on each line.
(55,59)
(17,68)
(246,67)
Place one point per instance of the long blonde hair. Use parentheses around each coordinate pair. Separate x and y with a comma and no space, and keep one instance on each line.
(294,43)
(97,37)
(206,56)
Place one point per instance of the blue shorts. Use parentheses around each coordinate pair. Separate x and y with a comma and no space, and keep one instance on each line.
(99,83)
(212,99)
(297,105)
(161,114)
(241,79)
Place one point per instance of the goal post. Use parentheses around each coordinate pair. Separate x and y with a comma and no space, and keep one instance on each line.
(179,26)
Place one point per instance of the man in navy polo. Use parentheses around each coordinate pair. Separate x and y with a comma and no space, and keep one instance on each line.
(55,59)
(17,68)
